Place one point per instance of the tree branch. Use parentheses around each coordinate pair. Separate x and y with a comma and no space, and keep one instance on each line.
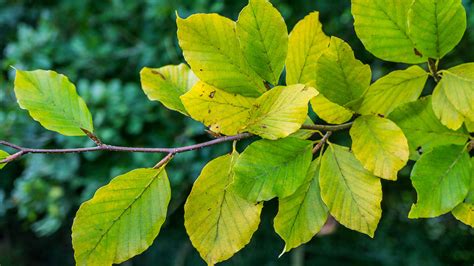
(22,150)
(170,151)
(328,127)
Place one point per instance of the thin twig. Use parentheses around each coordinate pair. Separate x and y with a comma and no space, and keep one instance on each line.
(328,127)
(164,161)
(322,141)
(104,147)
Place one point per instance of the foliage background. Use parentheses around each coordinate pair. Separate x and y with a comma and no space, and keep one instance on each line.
(101,46)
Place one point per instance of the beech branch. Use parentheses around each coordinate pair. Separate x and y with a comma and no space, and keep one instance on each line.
(169,151)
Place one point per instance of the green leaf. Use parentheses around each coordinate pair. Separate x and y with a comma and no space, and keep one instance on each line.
(211,47)
(166,84)
(3,156)
(352,193)
(330,112)
(341,78)
(444,109)
(263,38)
(268,169)
(303,214)
(379,144)
(441,179)
(383,29)
(422,129)
(122,219)
(219,222)
(306,43)
(436,26)
(280,111)
(392,90)
(223,112)
(52,100)
(464,212)
(459,83)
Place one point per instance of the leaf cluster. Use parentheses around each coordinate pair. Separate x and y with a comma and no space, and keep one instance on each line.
(234,85)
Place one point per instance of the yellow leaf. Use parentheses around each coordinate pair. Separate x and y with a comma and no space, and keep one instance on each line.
(352,193)
(223,112)
(380,145)
(459,84)
(219,222)
(3,155)
(392,90)
(444,109)
(330,112)
(281,111)
(306,43)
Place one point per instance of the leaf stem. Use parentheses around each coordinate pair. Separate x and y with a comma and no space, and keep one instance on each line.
(433,66)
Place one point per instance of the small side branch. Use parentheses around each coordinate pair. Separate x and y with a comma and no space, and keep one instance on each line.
(328,127)
(321,143)
(433,66)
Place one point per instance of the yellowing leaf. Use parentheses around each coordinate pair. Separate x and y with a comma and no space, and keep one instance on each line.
(281,111)
(469,125)
(392,90)
(3,156)
(306,43)
(52,100)
(263,38)
(341,78)
(459,84)
(441,178)
(268,169)
(219,222)
(303,214)
(211,47)
(422,129)
(352,193)
(166,84)
(330,112)
(436,26)
(223,112)
(464,212)
(444,109)
(379,144)
(305,133)
(122,219)
(382,27)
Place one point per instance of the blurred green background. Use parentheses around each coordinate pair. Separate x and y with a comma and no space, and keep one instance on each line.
(101,46)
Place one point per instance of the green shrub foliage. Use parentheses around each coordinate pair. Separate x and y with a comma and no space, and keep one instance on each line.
(233,84)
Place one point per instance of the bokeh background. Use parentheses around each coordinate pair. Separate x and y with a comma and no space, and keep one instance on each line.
(101,46)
